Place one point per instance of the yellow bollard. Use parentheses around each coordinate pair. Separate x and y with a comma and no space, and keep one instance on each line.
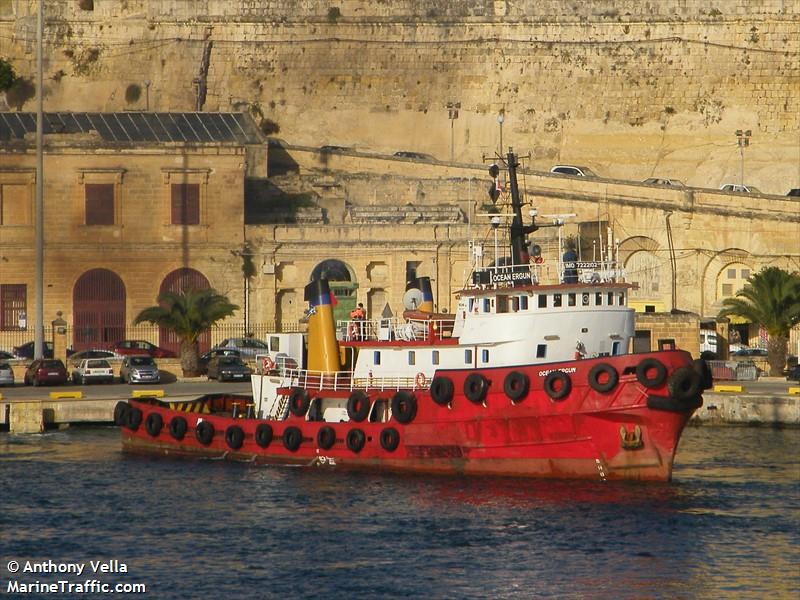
(727,388)
(147,394)
(794,391)
(57,395)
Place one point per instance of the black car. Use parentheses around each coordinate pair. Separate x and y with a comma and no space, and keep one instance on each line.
(228,368)
(202,362)
(794,192)
(26,350)
(794,374)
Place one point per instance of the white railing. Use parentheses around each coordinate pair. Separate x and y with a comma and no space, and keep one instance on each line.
(393,329)
(347,381)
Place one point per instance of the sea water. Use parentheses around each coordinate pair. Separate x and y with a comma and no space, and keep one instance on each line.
(727,526)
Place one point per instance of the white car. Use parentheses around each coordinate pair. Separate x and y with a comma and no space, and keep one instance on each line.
(572,170)
(664,181)
(735,187)
(93,369)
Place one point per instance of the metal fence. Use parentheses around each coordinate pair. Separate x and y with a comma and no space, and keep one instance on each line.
(733,370)
(12,338)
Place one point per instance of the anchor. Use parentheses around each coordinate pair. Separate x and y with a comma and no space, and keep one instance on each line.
(631,440)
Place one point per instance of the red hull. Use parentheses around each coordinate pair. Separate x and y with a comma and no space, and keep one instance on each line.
(630,431)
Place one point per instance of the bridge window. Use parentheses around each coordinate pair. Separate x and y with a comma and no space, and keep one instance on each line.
(541,350)
(502,304)
(485,356)
(598,299)
(571,299)
(622,298)
(556,300)
(376,358)
(412,357)
(467,357)
(523,303)
(616,348)
(542,300)
(515,304)
(611,298)
(435,357)
(471,304)
(487,305)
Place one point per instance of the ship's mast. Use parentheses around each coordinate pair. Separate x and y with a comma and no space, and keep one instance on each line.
(519,231)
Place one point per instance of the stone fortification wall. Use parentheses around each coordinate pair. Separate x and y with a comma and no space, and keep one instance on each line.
(633,89)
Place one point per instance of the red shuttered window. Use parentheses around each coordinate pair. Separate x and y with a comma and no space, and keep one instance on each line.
(99,203)
(185,204)
(13,305)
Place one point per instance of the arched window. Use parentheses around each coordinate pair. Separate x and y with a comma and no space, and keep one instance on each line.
(98,310)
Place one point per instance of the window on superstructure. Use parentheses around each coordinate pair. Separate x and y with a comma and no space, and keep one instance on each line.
(274,344)
(598,299)
(571,299)
(484,356)
(541,350)
(412,357)
(376,358)
(502,304)
(621,299)
(487,305)
(471,304)
(542,300)
(616,348)
(523,303)
(467,357)
(515,304)
(556,300)
(435,357)
(611,298)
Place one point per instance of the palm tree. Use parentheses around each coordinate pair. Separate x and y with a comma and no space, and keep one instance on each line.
(188,314)
(770,298)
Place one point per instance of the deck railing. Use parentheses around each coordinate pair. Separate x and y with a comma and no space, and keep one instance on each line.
(347,381)
(394,329)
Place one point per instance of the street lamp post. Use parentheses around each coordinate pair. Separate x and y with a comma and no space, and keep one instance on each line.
(500,120)
(452,114)
(743,139)
(147,95)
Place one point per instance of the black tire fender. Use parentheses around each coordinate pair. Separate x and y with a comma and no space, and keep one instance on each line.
(358,406)
(204,432)
(706,377)
(557,385)
(475,387)
(133,418)
(404,407)
(596,376)
(292,438)
(442,390)
(390,439)
(644,376)
(299,402)
(177,428)
(326,437)
(516,386)
(684,384)
(153,424)
(121,413)
(234,437)
(264,435)
(356,440)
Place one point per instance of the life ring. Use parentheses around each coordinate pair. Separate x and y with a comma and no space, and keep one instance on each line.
(204,432)
(603,378)
(643,374)
(177,428)
(706,377)
(390,439)
(420,380)
(356,440)
(299,402)
(292,438)
(475,387)
(404,407)
(234,437)
(442,390)
(358,406)
(558,385)
(133,418)
(516,386)
(326,437)
(263,435)
(267,364)
(121,413)
(684,384)
(153,424)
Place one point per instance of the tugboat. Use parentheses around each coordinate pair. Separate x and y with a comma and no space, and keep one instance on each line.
(523,380)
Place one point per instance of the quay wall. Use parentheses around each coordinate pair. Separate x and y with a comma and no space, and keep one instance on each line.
(631,89)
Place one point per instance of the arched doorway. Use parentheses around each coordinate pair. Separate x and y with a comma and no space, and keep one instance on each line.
(343,285)
(182,280)
(98,310)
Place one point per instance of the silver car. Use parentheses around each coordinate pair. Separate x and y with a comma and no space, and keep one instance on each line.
(247,347)
(6,374)
(139,369)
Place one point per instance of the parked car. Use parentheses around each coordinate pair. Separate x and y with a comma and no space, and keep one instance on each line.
(6,355)
(26,350)
(794,192)
(93,369)
(749,352)
(330,149)
(573,170)
(415,155)
(662,181)
(6,373)
(247,347)
(127,347)
(735,187)
(46,371)
(139,369)
(794,374)
(202,362)
(228,368)
(77,357)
